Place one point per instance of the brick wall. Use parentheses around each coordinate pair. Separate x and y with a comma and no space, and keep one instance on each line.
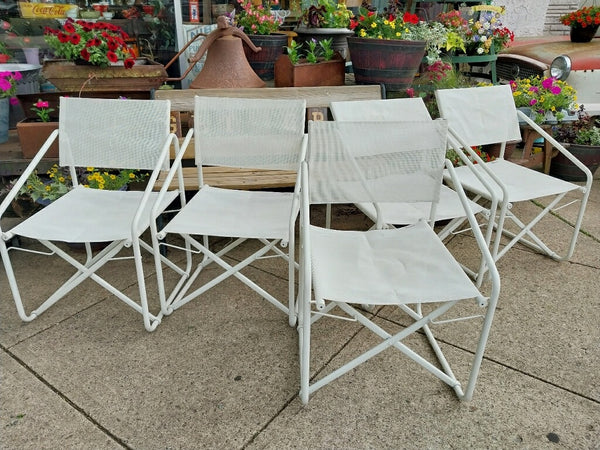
(557,8)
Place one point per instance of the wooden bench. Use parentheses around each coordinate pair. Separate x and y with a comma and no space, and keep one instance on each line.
(317,108)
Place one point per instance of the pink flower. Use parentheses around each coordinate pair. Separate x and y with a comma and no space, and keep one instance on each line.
(547,83)
(555,90)
(532,102)
(41,104)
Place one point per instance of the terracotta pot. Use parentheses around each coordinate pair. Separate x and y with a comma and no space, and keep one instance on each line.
(263,62)
(32,136)
(145,75)
(561,167)
(393,63)
(324,73)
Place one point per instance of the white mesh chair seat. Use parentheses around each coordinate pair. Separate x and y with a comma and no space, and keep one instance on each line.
(243,133)
(233,213)
(102,216)
(125,134)
(473,122)
(520,182)
(351,266)
(349,162)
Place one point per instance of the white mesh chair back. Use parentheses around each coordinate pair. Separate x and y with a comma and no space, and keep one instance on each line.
(480,115)
(248,133)
(376,161)
(397,109)
(102,133)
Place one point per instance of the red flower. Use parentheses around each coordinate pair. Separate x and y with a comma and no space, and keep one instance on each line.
(75,39)
(95,42)
(410,18)
(63,38)
(112,56)
(128,63)
(85,54)
(112,45)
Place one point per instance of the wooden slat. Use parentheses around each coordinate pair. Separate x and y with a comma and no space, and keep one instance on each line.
(322,96)
(234,178)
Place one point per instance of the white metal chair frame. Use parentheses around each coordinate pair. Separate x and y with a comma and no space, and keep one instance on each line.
(308,273)
(133,206)
(499,169)
(181,224)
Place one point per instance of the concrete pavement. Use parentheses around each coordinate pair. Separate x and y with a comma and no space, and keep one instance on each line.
(222,372)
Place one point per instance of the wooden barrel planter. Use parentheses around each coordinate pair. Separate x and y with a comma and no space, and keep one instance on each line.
(561,167)
(393,63)
(263,62)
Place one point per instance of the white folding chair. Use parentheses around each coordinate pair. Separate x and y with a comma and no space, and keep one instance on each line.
(353,162)
(487,115)
(107,133)
(242,133)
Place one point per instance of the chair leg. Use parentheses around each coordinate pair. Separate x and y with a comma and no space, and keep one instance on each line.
(184,296)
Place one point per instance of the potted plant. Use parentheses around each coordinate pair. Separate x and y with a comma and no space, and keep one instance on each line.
(33,131)
(102,46)
(389,48)
(584,23)
(545,100)
(8,89)
(57,182)
(313,63)
(261,26)
(485,35)
(325,19)
(582,139)
(5,54)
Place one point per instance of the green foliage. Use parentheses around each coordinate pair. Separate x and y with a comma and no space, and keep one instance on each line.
(316,51)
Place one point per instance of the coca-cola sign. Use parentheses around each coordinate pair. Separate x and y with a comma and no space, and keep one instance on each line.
(44,10)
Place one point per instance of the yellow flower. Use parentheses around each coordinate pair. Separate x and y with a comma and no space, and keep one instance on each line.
(48,188)
(113,177)
(89,169)
(373,25)
(61,179)
(132,176)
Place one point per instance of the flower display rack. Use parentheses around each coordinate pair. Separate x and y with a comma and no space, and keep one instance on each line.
(489,58)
